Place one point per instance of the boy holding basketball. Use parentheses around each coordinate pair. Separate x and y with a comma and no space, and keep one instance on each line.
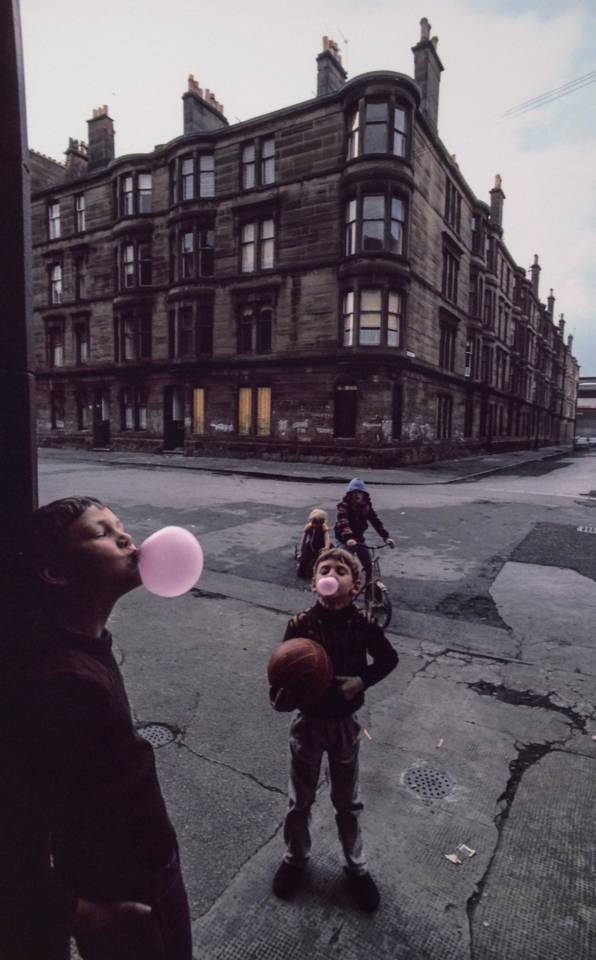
(331,725)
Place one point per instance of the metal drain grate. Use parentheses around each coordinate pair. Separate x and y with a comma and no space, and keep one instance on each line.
(428,783)
(158,734)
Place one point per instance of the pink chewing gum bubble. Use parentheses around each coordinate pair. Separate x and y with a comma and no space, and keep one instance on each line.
(327,586)
(170,561)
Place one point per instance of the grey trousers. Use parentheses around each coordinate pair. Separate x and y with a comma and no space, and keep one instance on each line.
(310,737)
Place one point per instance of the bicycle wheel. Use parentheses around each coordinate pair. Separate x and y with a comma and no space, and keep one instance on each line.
(378,605)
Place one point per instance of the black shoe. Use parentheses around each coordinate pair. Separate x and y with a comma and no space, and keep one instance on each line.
(286,880)
(364,890)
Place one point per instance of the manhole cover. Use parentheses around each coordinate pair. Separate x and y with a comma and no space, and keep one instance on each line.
(586,529)
(158,734)
(428,783)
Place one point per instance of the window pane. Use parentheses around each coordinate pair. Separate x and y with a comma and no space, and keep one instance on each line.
(370,300)
(267,255)
(207,175)
(375,138)
(263,411)
(244,410)
(188,186)
(144,183)
(373,235)
(400,120)
(370,317)
(198,410)
(348,319)
(373,207)
(396,237)
(376,111)
(353,136)
(268,161)
(267,228)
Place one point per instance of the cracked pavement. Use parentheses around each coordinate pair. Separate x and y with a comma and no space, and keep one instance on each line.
(503,703)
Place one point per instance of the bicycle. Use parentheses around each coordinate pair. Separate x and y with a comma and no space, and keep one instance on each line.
(377,604)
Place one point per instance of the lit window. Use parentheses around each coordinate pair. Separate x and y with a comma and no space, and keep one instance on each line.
(263,411)
(244,410)
(198,410)
(254,411)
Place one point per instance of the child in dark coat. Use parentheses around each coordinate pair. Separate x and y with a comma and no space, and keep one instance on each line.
(332,726)
(354,512)
(314,539)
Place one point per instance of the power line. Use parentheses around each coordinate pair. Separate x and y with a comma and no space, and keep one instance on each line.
(550,96)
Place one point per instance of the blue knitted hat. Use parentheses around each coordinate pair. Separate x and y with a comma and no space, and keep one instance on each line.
(356,484)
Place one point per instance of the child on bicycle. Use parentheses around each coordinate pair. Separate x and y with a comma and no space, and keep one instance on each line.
(314,539)
(354,512)
(331,725)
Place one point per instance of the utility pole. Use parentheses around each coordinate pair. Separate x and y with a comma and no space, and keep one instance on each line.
(18,456)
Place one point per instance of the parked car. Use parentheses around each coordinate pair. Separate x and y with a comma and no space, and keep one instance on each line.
(583,443)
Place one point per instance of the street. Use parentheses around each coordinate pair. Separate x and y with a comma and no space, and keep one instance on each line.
(482,736)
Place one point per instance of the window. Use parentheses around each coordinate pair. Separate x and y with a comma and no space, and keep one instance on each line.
(198,410)
(257,246)
(55,343)
(469,357)
(345,410)
(56,283)
(136,265)
(447,345)
(268,161)
(254,411)
(54,220)
(144,192)
(477,227)
(377,126)
(444,415)
(134,194)
(489,307)
(375,222)
(79,212)
(81,338)
(192,176)
(486,366)
(452,205)
(82,402)
(372,316)
(80,277)
(257,163)
(450,275)
(134,408)
(476,294)
(133,334)
(255,329)
(196,245)
(57,409)
(190,330)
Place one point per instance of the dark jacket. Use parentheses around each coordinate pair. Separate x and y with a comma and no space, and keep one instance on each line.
(349,638)
(92,783)
(351,522)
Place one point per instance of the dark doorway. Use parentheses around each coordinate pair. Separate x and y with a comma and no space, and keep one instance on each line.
(101,419)
(173,418)
(346,408)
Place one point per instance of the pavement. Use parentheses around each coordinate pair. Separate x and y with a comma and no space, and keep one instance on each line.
(443,471)
(503,740)
(483,736)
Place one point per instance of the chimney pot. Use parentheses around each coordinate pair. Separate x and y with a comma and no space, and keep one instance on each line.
(101,139)
(331,76)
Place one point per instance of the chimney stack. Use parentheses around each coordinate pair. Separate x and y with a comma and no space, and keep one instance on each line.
(76,159)
(551,304)
(535,275)
(202,111)
(100,150)
(569,342)
(330,73)
(427,73)
(562,325)
(496,203)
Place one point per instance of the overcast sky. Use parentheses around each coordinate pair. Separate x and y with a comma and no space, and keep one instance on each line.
(135,56)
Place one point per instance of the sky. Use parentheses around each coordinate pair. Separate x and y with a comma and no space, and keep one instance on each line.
(136,57)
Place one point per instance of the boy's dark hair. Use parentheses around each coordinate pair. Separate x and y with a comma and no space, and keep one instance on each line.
(338,553)
(49,525)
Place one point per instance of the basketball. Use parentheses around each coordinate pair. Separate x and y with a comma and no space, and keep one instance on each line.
(302,667)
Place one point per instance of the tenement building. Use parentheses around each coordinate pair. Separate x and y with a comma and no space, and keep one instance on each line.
(319,282)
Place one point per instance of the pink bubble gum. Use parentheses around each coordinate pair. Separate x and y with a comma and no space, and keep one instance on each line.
(327,586)
(170,561)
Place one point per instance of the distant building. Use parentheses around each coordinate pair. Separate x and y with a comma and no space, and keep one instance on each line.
(317,283)
(586,407)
